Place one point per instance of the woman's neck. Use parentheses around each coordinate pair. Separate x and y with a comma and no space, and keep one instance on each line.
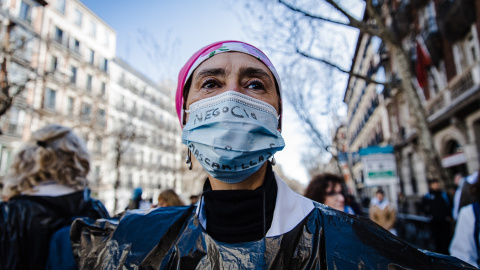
(252,182)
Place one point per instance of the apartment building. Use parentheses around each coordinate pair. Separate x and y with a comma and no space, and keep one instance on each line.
(144,134)
(75,79)
(367,116)
(20,25)
(440,38)
(75,60)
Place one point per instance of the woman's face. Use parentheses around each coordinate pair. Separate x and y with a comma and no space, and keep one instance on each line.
(334,197)
(233,71)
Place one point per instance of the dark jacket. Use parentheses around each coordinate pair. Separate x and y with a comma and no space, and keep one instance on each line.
(175,238)
(27,223)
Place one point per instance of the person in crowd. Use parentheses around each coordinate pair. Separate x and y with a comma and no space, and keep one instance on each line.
(437,205)
(328,189)
(229,105)
(464,243)
(136,202)
(47,188)
(403,206)
(350,201)
(169,198)
(194,199)
(463,196)
(382,212)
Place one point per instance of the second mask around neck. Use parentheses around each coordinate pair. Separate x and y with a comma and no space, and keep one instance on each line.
(232,135)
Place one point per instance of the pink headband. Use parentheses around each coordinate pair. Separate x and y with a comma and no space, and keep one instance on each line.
(209,51)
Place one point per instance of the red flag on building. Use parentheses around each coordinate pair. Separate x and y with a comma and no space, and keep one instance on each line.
(423,61)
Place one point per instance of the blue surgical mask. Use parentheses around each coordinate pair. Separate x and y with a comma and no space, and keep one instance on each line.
(232,135)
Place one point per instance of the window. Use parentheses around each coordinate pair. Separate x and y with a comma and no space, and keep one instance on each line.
(61,6)
(86,111)
(129,181)
(89,82)
(103,64)
(85,138)
(73,78)
(78,17)
(53,63)
(98,145)
(70,105)
(58,35)
(93,29)
(91,59)
(26,12)
(5,157)
(50,99)
(103,89)
(107,39)
(16,120)
(101,116)
(76,46)
(97,172)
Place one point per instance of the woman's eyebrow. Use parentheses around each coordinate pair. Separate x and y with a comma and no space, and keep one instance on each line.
(211,72)
(254,72)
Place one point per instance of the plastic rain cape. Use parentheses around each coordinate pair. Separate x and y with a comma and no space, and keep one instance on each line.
(172,238)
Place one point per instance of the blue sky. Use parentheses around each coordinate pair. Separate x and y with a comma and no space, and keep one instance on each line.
(180,28)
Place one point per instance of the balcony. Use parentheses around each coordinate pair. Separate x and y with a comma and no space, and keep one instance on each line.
(85,117)
(13,129)
(455,18)
(458,89)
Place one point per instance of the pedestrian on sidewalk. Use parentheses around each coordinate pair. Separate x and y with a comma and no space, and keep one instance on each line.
(328,189)
(437,205)
(382,212)
(465,241)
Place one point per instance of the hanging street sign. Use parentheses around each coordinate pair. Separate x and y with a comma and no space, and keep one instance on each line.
(379,165)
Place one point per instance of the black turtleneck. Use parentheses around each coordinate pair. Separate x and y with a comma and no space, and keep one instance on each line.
(235,216)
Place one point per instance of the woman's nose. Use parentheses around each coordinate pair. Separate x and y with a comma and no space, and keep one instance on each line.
(232,85)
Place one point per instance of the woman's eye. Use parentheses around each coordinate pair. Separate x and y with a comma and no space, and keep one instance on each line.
(210,84)
(255,85)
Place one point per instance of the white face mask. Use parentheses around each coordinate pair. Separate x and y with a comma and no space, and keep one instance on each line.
(232,135)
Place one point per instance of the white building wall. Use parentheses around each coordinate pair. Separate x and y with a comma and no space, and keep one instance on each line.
(152,159)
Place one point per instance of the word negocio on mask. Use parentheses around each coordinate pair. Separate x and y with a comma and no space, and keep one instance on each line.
(232,135)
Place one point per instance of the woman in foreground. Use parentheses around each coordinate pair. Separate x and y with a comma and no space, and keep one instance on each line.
(229,106)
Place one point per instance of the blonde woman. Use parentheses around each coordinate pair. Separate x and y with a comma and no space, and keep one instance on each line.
(169,198)
(47,187)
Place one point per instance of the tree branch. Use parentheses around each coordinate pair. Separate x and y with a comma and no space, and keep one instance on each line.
(349,72)
(309,15)
(362,26)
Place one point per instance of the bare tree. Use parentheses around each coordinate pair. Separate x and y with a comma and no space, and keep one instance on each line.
(307,28)
(123,137)
(15,73)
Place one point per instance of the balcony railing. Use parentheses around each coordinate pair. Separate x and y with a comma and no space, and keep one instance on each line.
(455,89)
(13,129)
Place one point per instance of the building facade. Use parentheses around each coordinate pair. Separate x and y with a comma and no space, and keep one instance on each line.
(66,55)
(21,23)
(143,133)
(441,40)
(75,60)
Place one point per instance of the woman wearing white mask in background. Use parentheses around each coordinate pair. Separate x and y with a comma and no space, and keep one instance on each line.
(229,105)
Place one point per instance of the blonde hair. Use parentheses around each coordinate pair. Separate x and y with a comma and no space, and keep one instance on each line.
(170,197)
(54,153)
